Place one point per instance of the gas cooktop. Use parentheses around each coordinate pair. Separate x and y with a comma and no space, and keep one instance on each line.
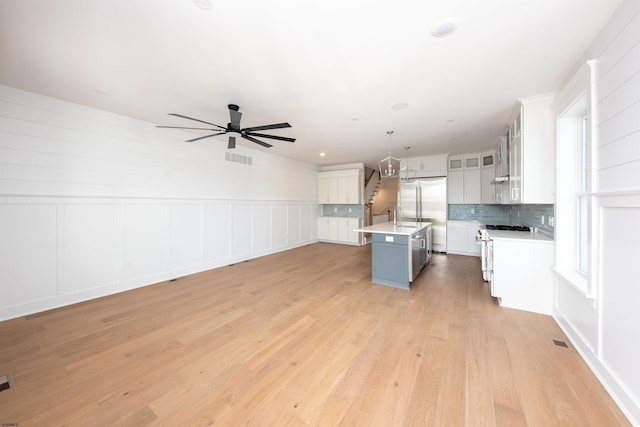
(507,227)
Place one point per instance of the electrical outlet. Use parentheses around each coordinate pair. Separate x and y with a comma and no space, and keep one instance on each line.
(335,209)
(551,221)
(542,219)
(349,210)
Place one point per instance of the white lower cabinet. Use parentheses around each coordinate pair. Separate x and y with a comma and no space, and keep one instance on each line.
(522,274)
(461,237)
(339,230)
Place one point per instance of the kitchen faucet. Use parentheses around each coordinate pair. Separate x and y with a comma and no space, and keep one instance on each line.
(397,212)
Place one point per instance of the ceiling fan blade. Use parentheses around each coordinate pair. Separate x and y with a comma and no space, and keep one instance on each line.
(267,127)
(252,139)
(197,120)
(182,127)
(206,136)
(264,135)
(232,143)
(235,118)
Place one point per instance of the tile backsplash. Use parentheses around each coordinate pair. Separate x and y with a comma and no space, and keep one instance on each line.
(530,215)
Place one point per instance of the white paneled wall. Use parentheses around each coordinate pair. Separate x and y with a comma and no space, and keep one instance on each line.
(604,326)
(92,203)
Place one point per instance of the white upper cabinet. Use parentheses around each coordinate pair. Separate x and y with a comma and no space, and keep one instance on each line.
(463,179)
(532,152)
(341,187)
(488,190)
(455,180)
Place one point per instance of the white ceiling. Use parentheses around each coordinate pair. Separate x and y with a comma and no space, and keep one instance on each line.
(333,69)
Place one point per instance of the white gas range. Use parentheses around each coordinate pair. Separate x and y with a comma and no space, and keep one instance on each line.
(486,246)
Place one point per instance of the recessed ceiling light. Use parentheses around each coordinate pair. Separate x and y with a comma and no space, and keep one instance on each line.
(203,4)
(355,119)
(322,154)
(400,106)
(445,27)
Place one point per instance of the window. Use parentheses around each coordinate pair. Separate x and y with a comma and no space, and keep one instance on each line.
(582,197)
(574,192)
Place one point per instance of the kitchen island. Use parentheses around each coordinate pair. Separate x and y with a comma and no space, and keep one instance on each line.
(399,251)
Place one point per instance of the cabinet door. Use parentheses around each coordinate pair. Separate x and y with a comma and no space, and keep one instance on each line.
(345,230)
(323,189)
(456,236)
(353,236)
(488,160)
(328,228)
(472,162)
(515,170)
(327,190)
(456,163)
(348,189)
(472,185)
(355,188)
(455,187)
(342,189)
(323,228)
(488,190)
(472,247)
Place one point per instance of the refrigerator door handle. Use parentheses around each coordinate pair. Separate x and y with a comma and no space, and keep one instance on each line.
(418,203)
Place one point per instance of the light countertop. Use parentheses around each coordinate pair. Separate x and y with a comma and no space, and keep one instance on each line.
(403,228)
(517,235)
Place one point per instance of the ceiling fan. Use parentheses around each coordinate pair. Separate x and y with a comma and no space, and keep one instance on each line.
(233,129)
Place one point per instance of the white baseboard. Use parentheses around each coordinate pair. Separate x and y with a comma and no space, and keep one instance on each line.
(618,393)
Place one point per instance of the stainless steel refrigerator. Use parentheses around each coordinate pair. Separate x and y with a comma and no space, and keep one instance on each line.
(425,200)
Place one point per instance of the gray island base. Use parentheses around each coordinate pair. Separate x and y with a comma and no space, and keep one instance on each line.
(399,251)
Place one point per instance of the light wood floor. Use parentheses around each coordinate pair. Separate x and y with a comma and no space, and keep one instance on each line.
(299,338)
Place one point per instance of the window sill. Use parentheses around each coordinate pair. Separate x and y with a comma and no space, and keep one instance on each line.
(577,281)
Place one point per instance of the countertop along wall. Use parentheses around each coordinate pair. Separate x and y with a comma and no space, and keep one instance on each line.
(528,215)
(93,203)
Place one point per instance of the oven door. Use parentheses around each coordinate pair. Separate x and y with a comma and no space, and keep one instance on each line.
(481,239)
(489,260)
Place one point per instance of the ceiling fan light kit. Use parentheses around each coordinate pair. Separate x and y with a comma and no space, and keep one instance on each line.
(233,129)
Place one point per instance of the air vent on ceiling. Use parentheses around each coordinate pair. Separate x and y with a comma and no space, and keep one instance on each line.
(237,158)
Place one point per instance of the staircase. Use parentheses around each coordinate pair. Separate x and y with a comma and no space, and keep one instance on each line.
(371,189)
(371,186)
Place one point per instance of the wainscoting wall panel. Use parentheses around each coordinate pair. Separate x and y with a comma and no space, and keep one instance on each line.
(28,253)
(93,203)
(90,244)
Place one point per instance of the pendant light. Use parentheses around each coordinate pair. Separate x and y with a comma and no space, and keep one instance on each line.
(389,166)
(407,174)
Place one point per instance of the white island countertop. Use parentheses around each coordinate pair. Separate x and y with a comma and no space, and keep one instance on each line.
(403,228)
